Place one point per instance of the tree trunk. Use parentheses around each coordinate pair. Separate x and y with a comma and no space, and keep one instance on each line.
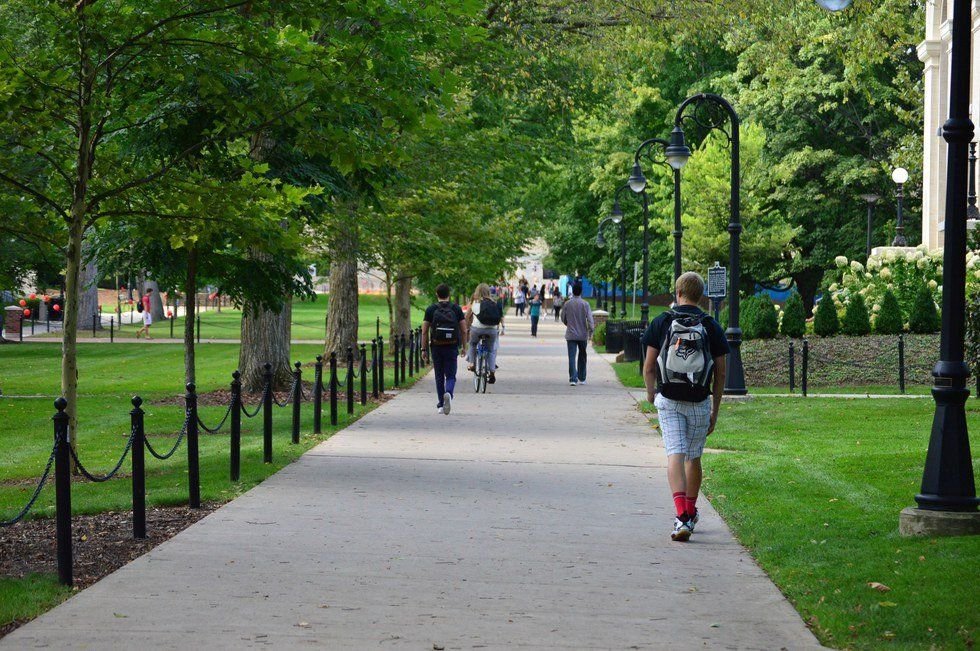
(389,284)
(157,310)
(342,310)
(403,305)
(88,290)
(69,330)
(190,308)
(265,339)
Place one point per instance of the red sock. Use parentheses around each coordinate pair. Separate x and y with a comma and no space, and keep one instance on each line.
(680,503)
(691,501)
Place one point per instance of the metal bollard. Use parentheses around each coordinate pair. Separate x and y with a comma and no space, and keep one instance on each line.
(297,399)
(236,425)
(318,395)
(22,328)
(198,328)
(411,353)
(381,365)
(806,366)
(139,469)
(363,374)
(193,460)
(374,368)
(333,388)
(901,363)
(94,317)
(112,324)
(171,327)
(267,415)
(350,380)
(377,327)
(792,367)
(62,488)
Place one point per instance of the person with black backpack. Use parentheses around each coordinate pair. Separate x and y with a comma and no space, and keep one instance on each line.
(443,329)
(685,359)
(484,319)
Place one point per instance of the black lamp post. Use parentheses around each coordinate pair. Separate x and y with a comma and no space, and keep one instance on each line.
(900,176)
(947,480)
(735,379)
(616,217)
(871,198)
(638,183)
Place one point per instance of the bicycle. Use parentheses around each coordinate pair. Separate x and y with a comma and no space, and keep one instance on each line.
(481,366)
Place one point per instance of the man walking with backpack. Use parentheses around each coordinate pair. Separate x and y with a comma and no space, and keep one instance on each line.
(443,329)
(579,326)
(685,359)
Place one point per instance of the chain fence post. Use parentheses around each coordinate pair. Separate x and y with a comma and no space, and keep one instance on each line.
(112,334)
(267,414)
(94,317)
(901,363)
(350,380)
(363,373)
(792,367)
(236,425)
(806,366)
(193,461)
(318,395)
(62,487)
(333,388)
(411,353)
(404,350)
(172,327)
(397,356)
(377,327)
(381,365)
(21,334)
(139,469)
(198,328)
(374,368)
(297,399)
(418,349)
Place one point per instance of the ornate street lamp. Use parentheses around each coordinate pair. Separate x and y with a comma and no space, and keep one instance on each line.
(616,218)
(638,183)
(871,198)
(947,480)
(735,378)
(900,176)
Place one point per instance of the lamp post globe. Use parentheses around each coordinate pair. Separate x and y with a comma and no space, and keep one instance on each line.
(600,241)
(637,182)
(617,214)
(900,175)
(678,153)
(834,5)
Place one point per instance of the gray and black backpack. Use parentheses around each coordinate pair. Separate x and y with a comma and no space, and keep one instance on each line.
(685,364)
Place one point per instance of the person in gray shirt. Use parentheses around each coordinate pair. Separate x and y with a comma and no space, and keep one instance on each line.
(579,326)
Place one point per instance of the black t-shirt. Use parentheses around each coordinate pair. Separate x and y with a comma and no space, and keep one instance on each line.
(431,310)
(657,331)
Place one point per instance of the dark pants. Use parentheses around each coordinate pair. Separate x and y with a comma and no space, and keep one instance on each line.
(576,373)
(534,326)
(444,364)
(519,309)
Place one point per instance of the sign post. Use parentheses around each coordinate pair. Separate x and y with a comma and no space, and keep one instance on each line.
(717,287)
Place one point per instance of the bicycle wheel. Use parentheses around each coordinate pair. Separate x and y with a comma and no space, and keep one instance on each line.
(477,372)
(485,375)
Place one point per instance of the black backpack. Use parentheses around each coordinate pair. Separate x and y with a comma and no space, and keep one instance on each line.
(445,325)
(139,305)
(489,313)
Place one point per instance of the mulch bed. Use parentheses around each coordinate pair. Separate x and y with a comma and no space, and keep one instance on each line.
(102,543)
(841,360)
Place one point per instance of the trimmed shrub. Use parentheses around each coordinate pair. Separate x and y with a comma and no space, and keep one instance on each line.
(746,316)
(765,321)
(825,323)
(924,317)
(599,336)
(889,319)
(794,317)
(857,321)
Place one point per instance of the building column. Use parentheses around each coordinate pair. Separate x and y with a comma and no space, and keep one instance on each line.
(933,149)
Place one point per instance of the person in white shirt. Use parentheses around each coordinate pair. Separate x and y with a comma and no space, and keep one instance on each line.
(484,318)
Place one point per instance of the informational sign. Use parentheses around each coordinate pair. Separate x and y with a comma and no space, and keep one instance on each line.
(717,282)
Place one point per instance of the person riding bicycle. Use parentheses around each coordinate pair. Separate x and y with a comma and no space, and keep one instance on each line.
(483,320)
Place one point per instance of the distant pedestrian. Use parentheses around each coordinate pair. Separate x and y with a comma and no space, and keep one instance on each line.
(443,330)
(685,359)
(559,301)
(519,301)
(144,307)
(535,312)
(579,326)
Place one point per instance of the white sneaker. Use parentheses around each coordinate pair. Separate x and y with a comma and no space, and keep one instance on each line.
(573,383)
(447,403)
(682,531)
(581,382)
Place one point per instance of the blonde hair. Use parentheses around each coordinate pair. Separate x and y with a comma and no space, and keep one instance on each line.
(690,285)
(481,292)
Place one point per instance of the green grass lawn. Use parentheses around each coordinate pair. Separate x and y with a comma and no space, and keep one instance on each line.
(814,490)
(308,320)
(108,377)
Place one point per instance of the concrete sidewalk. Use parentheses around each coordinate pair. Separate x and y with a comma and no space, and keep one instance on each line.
(535,516)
